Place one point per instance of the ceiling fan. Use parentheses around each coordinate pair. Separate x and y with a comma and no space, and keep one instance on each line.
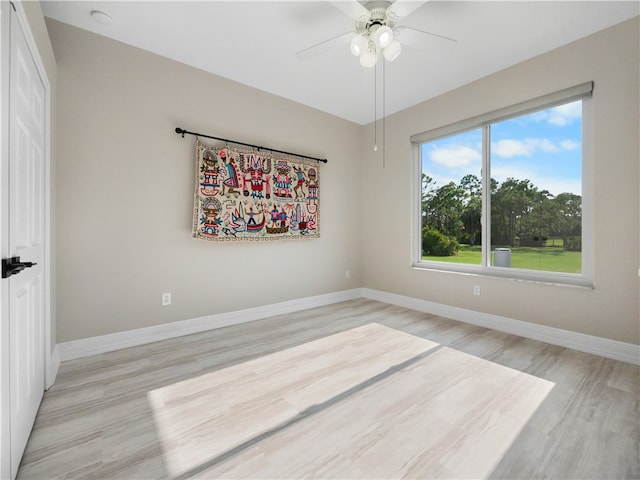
(377,30)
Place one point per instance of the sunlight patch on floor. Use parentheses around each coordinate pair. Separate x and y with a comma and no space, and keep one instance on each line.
(203,418)
(449,415)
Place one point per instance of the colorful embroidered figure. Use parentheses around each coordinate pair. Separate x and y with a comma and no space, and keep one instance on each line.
(252,225)
(279,219)
(282,217)
(209,186)
(312,183)
(257,169)
(238,223)
(210,210)
(295,218)
(274,215)
(282,180)
(311,225)
(252,221)
(231,182)
(298,190)
(302,225)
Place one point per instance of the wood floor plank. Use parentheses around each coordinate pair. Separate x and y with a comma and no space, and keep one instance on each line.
(478,404)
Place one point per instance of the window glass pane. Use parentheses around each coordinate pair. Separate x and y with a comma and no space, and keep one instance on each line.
(536,193)
(452,199)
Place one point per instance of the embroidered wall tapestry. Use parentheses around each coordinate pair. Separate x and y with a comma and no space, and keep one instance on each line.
(244,195)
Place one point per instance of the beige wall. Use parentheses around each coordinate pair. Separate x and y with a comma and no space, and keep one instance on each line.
(609,58)
(125,192)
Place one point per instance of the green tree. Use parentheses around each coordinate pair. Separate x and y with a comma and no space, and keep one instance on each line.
(511,201)
(447,205)
(569,207)
(428,186)
(472,210)
(541,219)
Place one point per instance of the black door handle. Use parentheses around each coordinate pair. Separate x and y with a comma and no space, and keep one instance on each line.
(13,266)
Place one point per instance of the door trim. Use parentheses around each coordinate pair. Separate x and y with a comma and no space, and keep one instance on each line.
(51,357)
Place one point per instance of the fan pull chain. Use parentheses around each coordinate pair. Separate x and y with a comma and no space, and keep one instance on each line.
(384,115)
(375,107)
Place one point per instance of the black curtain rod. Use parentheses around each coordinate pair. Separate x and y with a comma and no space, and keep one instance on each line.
(181,131)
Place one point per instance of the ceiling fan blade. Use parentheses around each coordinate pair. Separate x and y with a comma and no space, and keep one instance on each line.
(416,37)
(351,8)
(402,8)
(324,46)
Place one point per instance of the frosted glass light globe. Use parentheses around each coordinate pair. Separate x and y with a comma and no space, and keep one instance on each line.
(368,59)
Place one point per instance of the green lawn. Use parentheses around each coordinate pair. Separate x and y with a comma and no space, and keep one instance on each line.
(551,259)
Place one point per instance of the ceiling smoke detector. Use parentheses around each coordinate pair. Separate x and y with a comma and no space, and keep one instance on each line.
(101,17)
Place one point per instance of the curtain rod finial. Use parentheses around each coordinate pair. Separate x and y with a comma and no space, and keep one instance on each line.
(180,131)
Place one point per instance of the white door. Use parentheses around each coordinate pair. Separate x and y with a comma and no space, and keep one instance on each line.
(26,240)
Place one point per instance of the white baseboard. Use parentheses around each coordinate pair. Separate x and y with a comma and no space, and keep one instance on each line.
(131,338)
(604,347)
(52,366)
(625,352)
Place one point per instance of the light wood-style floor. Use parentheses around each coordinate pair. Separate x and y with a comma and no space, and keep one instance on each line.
(354,390)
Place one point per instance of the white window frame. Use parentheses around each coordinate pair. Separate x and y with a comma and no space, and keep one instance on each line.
(586,277)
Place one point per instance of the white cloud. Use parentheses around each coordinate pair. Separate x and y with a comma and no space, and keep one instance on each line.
(569,144)
(562,115)
(455,156)
(508,148)
(543,144)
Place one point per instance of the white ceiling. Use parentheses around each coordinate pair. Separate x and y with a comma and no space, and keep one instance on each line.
(254,43)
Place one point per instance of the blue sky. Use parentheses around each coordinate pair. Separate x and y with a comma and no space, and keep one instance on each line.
(544,147)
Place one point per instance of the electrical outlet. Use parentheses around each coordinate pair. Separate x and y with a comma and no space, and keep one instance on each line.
(166,299)
(476,290)
(347,274)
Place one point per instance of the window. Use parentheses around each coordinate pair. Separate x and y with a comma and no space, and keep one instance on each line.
(502,194)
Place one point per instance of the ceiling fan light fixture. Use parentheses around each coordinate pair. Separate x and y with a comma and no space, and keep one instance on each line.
(383,36)
(392,51)
(358,45)
(368,59)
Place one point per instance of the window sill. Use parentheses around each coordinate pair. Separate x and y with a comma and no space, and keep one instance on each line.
(514,274)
